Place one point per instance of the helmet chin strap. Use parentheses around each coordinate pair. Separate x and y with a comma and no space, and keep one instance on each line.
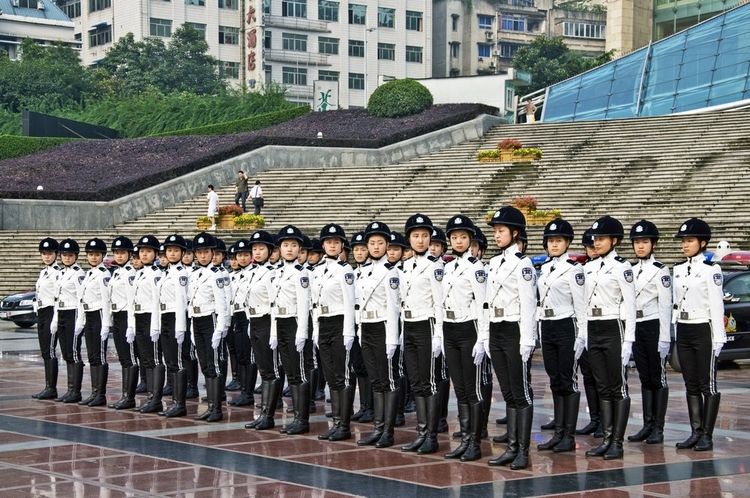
(420,253)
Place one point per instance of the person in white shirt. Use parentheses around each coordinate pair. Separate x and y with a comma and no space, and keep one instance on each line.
(256,195)
(44,306)
(212,199)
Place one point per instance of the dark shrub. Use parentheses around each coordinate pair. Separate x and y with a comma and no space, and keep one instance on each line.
(242,125)
(399,98)
(15,146)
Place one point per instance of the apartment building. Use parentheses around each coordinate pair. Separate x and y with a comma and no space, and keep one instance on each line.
(37,19)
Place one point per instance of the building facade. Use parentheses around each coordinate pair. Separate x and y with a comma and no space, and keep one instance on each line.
(40,20)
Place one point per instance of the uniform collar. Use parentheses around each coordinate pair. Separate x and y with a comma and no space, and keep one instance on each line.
(563,257)
(609,257)
(698,258)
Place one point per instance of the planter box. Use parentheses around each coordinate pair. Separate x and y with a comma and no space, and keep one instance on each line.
(541,220)
(203,225)
(225,222)
(506,155)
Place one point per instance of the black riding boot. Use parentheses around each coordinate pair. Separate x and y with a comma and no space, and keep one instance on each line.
(570,403)
(336,410)
(94,386)
(129,381)
(607,412)
(402,386)
(179,394)
(622,412)
(269,395)
(648,397)
(430,444)
(464,416)
(301,424)
(592,398)
(487,401)
(192,380)
(390,410)
(75,384)
(365,398)
(695,412)
(247,374)
(346,398)
(50,380)
(710,412)
(474,450)
(236,383)
(312,383)
(511,452)
(444,390)
(142,386)
(101,385)
(559,425)
(217,395)
(154,404)
(661,399)
(421,404)
(525,416)
(378,411)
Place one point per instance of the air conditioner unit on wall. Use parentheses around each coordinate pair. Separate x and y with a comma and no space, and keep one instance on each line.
(489,35)
(496,53)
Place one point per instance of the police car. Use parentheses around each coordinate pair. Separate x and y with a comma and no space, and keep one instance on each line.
(19,309)
(736,309)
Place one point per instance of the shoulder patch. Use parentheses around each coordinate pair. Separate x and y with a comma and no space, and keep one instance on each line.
(658,265)
(666,281)
(394,283)
(709,263)
(620,259)
(349,278)
(131,280)
(480,275)
(580,279)
(106,280)
(183,281)
(527,274)
(220,282)
(81,279)
(628,274)
(718,279)
(304,282)
(438,274)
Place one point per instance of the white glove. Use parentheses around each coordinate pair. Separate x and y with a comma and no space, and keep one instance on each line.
(130,335)
(224,331)
(192,338)
(216,339)
(390,350)
(273,342)
(299,343)
(478,353)
(717,348)
(579,346)
(316,339)
(437,346)
(526,352)
(53,327)
(486,345)
(155,335)
(78,330)
(663,349)
(348,342)
(180,336)
(627,350)
(104,333)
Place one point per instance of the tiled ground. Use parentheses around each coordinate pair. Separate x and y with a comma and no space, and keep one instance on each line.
(54,450)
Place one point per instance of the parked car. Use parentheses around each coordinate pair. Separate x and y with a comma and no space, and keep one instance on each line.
(19,309)
(736,313)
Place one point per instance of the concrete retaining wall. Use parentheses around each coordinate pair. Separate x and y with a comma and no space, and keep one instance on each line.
(26,214)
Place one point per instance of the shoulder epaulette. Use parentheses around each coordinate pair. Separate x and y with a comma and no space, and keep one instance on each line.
(216,269)
(76,267)
(658,265)
(179,268)
(389,266)
(56,267)
(572,261)
(128,267)
(154,267)
(620,259)
(678,264)
(472,260)
(520,255)
(343,263)
(432,258)
(299,267)
(709,263)
(369,263)
(103,268)
(270,267)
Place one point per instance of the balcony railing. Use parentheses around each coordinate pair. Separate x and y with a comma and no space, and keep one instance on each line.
(296,57)
(300,91)
(300,23)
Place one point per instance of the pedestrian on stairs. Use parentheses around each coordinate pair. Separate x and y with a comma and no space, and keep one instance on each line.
(256,195)
(44,305)
(212,199)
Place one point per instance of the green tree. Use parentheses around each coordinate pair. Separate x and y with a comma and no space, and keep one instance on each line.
(189,68)
(550,61)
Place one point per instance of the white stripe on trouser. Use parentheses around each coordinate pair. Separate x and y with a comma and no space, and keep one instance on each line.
(217,349)
(157,356)
(433,383)
(103,347)
(574,374)
(391,380)
(301,355)
(525,370)
(624,388)
(477,370)
(663,365)
(76,341)
(347,377)
(179,355)
(275,360)
(712,372)
(131,350)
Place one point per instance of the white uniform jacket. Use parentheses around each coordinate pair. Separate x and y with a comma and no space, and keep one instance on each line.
(561,291)
(610,292)
(121,290)
(653,295)
(46,286)
(68,290)
(259,290)
(173,294)
(699,295)
(333,293)
(95,294)
(422,291)
(146,296)
(206,296)
(291,297)
(464,290)
(377,297)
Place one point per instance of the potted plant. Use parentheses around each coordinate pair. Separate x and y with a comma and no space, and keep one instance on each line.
(203,223)
(527,154)
(226,216)
(249,221)
(507,147)
(543,216)
(524,204)
(488,156)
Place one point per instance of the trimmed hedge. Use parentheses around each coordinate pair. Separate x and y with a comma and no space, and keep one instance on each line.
(242,125)
(399,98)
(16,146)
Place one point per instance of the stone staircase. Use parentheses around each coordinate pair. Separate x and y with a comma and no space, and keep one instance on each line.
(665,169)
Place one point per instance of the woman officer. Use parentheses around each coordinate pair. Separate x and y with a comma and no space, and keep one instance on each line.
(698,316)
(653,295)
(465,334)
(333,329)
(511,309)
(44,307)
(561,312)
(610,315)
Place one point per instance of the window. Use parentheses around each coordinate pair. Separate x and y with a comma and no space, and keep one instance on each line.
(328,75)
(454,22)
(584,30)
(198,27)
(454,49)
(509,98)
(513,23)
(294,8)
(356,48)
(293,76)
(413,54)
(269,75)
(290,41)
(484,50)
(201,3)
(328,45)
(100,36)
(485,22)
(328,11)
(229,35)
(508,50)
(95,5)
(387,51)
(356,81)
(386,17)
(357,14)
(229,4)
(160,27)
(72,9)
(229,70)
(413,20)
(267,39)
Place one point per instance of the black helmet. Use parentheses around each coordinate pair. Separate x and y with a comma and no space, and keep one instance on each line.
(608,227)
(148,241)
(332,231)
(481,238)
(438,235)
(398,240)
(306,243)
(459,222)
(694,227)
(358,239)
(417,221)
(644,229)
(176,241)
(232,250)
(204,240)
(523,236)
(242,245)
(508,216)
(96,245)
(48,244)
(558,228)
(162,249)
(189,245)
(317,246)
(587,239)
(377,228)
(69,246)
(122,243)
(220,245)
(347,246)
(290,232)
(262,237)
(135,253)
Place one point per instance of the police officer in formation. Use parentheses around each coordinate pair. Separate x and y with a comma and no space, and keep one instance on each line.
(444,314)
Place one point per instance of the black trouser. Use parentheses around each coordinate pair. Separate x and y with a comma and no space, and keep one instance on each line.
(334,358)
(651,366)
(585,365)
(70,345)
(296,364)
(383,373)
(357,360)
(125,351)
(458,341)
(170,349)
(47,343)
(265,357)
(229,340)
(420,362)
(208,357)
(605,356)
(148,350)
(242,346)
(95,346)
(513,374)
(441,369)
(695,350)
(558,338)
